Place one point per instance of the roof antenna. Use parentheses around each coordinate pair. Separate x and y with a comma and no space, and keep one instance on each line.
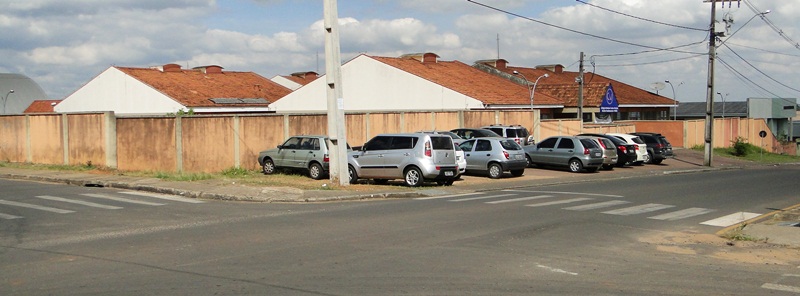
(498,46)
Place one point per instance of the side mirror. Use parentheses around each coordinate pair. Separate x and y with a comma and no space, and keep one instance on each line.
(280,146)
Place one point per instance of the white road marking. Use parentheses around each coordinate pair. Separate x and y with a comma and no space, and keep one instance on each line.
(120,199)
(519,199)
(36,207)
(731,219)
(164,196)
(784,288)
(79,202)
(556,270)
(682,214)
(9,217)
(447,196)
(563,192)
(599,205)
(635,210)
(481,197)
(559,202)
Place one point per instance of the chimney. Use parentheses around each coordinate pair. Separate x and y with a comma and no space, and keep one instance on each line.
(171,68)
(210,69)
(496,63)
(557,68)
(427,57)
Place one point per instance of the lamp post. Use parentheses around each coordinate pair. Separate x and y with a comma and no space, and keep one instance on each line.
(531,90)
(5,98)
(674,98)
(723,104)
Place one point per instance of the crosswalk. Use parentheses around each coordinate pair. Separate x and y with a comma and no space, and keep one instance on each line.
(606,204)
(103,201)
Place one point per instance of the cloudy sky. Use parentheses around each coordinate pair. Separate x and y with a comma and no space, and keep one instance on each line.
(62,44)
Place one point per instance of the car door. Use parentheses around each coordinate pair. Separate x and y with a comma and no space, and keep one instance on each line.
(287,153)
(306,152)
(370,158)
(481,154)
(542,154)
(563,152)
(468,147)
(400,152)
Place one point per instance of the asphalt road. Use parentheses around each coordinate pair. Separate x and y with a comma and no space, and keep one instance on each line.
(575,239)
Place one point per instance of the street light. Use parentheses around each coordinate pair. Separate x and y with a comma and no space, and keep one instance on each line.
(674,97)
(532,90)
(723,104)
(5,98)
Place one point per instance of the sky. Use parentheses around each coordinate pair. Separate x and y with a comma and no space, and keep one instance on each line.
(63,44)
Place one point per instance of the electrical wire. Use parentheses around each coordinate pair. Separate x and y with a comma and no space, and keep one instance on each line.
(764,50)
(759,70)
(772,25)
(640,18)
(656,62)
(742,76)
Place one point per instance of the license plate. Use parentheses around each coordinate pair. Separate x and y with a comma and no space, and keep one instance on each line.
(598,154)
(448,173)
(517,156)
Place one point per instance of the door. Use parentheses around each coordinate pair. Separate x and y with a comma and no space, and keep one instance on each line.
(287,153)
(370,159)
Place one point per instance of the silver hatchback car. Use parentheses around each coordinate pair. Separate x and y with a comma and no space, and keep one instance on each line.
(414,157)
(494,155)
(298,152)
(575,153)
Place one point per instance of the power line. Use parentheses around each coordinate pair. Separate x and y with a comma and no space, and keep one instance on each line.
(742,76)
(764,50)
(771,25)
(643,19)
(651,63)
(759,70)
(653,50)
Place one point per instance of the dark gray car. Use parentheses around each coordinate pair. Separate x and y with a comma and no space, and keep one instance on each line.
(574,153)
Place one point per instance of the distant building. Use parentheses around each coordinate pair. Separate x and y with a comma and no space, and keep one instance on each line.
(42,106)
(169,89)
(697,110)
(17,92)
(296,80)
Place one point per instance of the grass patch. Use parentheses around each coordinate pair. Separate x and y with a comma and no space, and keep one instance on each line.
(737,234)
(745,151)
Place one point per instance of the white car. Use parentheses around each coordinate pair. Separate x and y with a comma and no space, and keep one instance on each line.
(461,161)
(641,147)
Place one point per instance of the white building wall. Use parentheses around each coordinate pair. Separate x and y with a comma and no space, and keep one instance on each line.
(370,85)
(113,90)
(286,82)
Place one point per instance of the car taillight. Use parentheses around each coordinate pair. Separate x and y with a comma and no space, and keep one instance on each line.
(428,151)
(505,153)
(585,151)
(326,158)
(659,146)
(602,144)
(622,148)
(636,147)
(517,140)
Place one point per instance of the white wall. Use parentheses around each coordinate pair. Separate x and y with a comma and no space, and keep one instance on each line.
(113,90)
(370,85)
(286,82)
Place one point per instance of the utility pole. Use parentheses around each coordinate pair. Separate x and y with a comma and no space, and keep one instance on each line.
(580,92)
(709,132)
(337,136)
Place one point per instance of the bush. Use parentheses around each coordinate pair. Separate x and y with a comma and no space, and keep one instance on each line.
(740,147)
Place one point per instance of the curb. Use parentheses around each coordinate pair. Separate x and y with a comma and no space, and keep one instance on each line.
(755,220)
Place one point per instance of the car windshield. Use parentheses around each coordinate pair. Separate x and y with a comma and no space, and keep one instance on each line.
(517,133)
(484,133)
(442,143)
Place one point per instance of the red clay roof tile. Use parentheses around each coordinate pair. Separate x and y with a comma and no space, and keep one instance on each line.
(42,106)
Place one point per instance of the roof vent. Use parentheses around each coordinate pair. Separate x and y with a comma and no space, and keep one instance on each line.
(171,68)
(496,63)
(210,69)
(427,57)
(557,68)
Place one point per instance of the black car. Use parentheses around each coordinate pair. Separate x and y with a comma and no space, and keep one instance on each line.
(626,153)
(469,133)
(657,146)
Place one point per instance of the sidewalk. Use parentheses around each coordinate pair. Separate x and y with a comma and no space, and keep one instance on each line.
(685,161)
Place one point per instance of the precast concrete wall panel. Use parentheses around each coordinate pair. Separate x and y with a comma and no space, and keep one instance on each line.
(559,127)
(356,126)
(308,125)
(445,121)
(523,118)
(47,139)
(87,139)
(672,130)
(12,139)
(417,121)
(383,123)
(476,119)
(207,143)
(258,133)
(146,144)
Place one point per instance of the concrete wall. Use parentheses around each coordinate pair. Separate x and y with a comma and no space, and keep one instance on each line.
(216,143)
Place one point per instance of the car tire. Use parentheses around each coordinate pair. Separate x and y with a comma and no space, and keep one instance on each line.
(517,173)
(575,165)
(608,167)
(495,171)
(413,177)
(638,163)
(528,160)
(593,170)
(315,171)
(268,167)
(351,172)
(648,158)
(657,161)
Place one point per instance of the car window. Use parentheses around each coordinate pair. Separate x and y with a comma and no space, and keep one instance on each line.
(442,143)
(607,143)
(307,144)
(487,133)
(589,143)
(292,143)
(378,143)
(638,140)
(497,130)
(510,145)
(467,146)
(548,143)
(665,140)
(566,143)
(483,145)
(403,143)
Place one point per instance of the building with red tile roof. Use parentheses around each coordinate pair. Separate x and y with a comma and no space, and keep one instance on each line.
(413,82)
(295,80)
(41,106)
(169,89)
(634,103)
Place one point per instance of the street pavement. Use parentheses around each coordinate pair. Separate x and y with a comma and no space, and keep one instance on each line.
(685,161)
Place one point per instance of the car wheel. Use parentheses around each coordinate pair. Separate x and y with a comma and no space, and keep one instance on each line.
(528,160)
(495,171)
(648,158)
(381,181)
(608,167)
(593,170)
(413,177)
(352,173)
(315,171)
(517,173)
(575,165)
(638,163)
(657,161)
(268,167)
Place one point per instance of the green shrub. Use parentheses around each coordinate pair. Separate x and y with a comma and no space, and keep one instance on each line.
(740,147)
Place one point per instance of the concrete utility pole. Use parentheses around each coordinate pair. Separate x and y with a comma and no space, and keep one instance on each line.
(709,133)
(337,135)
(580,92)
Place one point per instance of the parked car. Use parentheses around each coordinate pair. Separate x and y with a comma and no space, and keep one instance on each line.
(471,133)
(657,146)
(575,153)
(626,153)
(413,157)
(460,159)
(494,155)
(309,153)
(456,138)
(609,152)
(517,133)
(640,146)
